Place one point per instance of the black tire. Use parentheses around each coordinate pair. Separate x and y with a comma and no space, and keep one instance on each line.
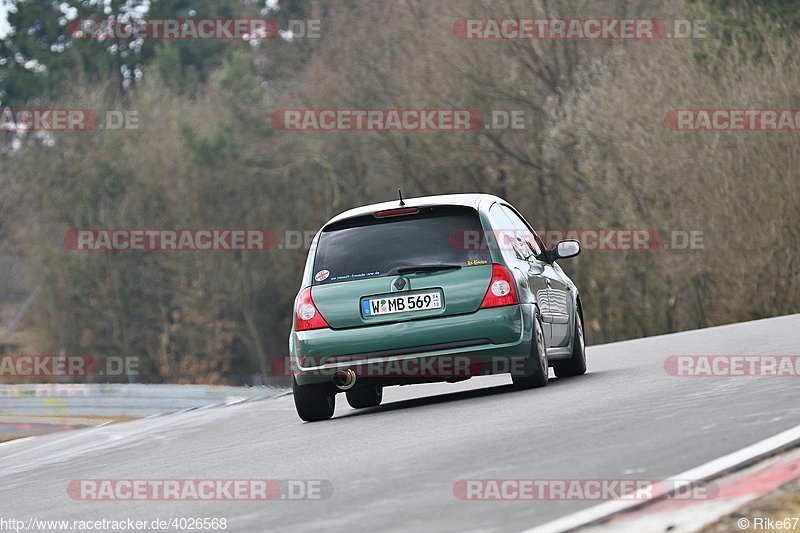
(364,397)
(313,402)
(536,369)
(576,364)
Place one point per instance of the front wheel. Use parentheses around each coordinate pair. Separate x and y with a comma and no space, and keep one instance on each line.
(535,373)
(313,402)
(576,364)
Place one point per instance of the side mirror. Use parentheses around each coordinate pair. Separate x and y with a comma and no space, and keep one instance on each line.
(568,248)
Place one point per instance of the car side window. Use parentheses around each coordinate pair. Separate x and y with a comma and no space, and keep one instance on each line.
(523,231)
(504,235)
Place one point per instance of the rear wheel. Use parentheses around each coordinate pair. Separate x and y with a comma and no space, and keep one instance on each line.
(535,372)
(576,364)
(313,402)
(364,397)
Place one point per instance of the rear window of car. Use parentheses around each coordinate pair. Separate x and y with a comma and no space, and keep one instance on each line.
(367,247)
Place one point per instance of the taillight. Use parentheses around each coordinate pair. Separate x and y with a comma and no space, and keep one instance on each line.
(396,212)
(306,314)
(502,290)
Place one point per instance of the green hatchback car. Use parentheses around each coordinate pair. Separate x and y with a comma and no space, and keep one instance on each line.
(437,288)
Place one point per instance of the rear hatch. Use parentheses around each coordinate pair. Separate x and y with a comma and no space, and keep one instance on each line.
(399,265)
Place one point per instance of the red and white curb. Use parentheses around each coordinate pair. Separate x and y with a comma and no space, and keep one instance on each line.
(659,513)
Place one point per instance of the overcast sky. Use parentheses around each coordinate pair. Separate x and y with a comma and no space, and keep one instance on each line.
(3,19)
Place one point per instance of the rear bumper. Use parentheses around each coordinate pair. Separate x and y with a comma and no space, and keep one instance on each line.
(483,342)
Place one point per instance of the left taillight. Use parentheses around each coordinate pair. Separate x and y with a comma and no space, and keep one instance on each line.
(502,290)
(306,314)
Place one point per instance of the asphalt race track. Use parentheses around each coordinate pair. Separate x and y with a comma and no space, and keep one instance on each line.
(394,466)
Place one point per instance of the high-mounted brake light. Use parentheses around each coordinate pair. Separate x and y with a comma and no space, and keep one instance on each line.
(502,290)
(306,314)
(396,212)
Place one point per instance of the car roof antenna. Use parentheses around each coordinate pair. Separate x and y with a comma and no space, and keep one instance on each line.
(400,194)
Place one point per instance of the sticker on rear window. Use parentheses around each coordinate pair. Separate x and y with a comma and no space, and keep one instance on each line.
(355,276)
(322,275)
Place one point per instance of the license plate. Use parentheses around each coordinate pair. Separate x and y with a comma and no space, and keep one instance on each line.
(385,305)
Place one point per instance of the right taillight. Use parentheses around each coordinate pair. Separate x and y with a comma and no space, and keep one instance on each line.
(502,290)
(306,314)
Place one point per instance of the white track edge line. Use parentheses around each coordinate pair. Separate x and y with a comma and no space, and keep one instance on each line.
(711,469)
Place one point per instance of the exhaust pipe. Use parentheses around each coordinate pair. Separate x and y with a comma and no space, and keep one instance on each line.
(344,379)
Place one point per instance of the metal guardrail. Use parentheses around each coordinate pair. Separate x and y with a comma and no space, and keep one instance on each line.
(135,400)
